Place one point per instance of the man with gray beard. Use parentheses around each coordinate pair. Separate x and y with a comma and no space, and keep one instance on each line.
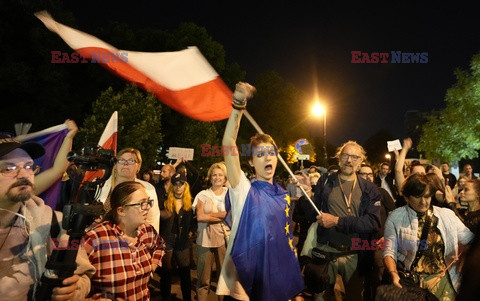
(25,227)
(350,211)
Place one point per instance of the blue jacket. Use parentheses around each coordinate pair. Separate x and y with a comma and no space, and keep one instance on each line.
(368,221)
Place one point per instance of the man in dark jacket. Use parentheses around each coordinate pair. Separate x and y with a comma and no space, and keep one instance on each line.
(350,209)
(386,180)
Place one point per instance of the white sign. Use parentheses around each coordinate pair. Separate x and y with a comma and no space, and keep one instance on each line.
(302,157)
(179,152)
(394,145)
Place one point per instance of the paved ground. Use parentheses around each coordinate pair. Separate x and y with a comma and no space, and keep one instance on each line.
(176,291)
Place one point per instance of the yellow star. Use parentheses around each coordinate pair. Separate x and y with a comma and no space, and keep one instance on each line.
(287,210)
(287,229)
(287,198)
(290,242)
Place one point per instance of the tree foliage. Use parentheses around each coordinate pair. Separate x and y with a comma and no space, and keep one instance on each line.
(278,108)
(139,121)
(453,134)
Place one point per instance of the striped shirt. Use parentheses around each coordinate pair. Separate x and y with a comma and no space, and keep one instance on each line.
(123,270)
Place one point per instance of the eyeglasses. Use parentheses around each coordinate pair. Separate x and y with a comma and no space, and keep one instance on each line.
(126,162)
(143,205)
(178,184)
(367,174)
(12,170)
(345,157)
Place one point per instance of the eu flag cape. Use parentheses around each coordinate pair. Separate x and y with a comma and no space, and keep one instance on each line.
(263,250)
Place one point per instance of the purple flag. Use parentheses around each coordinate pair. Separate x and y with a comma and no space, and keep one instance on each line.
(51,139)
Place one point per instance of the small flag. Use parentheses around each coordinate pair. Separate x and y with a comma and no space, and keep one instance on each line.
(183,80)
(108,140)
(51,139)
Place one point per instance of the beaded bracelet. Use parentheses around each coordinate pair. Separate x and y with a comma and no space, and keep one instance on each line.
(239,104)
(239,107)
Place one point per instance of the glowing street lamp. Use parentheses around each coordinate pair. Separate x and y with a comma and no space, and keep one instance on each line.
(319,110)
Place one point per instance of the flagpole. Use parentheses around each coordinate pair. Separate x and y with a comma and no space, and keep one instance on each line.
(257,127)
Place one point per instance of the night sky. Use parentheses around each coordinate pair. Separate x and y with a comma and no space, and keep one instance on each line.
(310,45)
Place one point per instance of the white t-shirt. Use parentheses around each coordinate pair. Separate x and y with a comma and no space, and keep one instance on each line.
(210,235)
(228,282)
(153,217)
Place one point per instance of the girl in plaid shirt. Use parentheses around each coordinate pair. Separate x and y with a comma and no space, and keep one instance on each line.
(124,249)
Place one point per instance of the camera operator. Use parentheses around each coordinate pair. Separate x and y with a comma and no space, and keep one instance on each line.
(26,225)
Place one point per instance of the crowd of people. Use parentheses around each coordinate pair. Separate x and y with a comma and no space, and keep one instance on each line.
(346,232)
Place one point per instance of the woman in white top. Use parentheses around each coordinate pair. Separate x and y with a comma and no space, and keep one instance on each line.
(209,205)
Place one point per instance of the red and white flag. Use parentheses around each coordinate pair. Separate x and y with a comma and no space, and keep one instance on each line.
(108,140)
(183,80)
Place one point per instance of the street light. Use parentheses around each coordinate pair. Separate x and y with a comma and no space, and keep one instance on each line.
(389,158)
(318,110)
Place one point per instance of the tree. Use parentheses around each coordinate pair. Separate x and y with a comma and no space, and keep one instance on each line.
(139,121)
(453,134)
(285,114)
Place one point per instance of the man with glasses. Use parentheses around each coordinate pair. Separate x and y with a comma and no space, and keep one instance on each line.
(350,210)
(25,229)
(129,162)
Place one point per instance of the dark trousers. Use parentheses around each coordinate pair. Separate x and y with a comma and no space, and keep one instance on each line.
(184,271)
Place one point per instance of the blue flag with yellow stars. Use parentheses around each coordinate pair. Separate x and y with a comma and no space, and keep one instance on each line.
(263,251)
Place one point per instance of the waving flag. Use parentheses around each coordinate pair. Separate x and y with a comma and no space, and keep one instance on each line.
(183,80)
(51,139)
(108,140)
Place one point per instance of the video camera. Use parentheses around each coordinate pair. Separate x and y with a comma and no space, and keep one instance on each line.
(90,168)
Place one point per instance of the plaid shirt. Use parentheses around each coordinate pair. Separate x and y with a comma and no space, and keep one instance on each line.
(123,270)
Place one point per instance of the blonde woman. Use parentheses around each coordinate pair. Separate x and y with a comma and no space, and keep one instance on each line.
(209,205)
(177,227)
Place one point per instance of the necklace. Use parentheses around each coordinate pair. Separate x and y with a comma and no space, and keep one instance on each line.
(348,201)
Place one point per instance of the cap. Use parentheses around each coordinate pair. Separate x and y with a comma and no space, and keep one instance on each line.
(178,177)
(333,167)
(8,144)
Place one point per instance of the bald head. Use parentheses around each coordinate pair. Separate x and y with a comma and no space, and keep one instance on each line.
(167,172)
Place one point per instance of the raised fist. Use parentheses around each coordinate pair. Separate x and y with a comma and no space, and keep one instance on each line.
(243,91)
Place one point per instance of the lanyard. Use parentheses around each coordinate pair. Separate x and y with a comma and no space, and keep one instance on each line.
(348,201)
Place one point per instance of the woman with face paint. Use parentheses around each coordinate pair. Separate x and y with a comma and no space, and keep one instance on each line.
(261,263)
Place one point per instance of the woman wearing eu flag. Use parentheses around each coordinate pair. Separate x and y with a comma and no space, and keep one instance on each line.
(261,263)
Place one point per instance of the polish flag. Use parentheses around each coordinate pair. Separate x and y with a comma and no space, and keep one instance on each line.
(183,80)
(108,140)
